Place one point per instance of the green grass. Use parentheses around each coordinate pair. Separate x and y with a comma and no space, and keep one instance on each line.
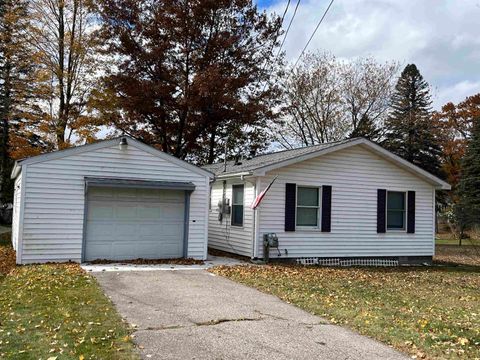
(426,312)
(59,312)
(452,241)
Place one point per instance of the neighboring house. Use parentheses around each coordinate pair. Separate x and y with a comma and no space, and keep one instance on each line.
(115,199)
(349,199)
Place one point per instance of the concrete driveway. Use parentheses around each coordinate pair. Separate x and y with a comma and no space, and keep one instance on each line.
(197,315)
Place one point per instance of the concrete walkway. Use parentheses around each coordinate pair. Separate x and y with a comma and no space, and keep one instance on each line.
(120,267)
(197,315)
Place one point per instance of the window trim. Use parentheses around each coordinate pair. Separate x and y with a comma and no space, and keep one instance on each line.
(318,207)
(243,206)
(405,212)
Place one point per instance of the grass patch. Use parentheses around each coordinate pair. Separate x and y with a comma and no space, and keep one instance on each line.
(427,312)
(57,311)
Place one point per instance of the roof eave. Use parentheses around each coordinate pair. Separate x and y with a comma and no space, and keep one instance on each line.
(432,179)
(232,175)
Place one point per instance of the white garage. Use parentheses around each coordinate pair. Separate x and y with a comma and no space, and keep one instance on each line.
(116,199)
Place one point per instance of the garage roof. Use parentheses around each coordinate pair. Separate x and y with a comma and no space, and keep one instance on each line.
(104,144)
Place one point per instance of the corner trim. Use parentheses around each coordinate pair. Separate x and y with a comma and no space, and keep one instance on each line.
(186,224)
(21,215)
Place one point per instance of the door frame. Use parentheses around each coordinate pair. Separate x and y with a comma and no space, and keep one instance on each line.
(187,187)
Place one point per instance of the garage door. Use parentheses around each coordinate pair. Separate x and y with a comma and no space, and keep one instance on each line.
(127,224)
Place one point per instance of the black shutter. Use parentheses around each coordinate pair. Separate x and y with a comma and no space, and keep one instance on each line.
(411,212)
(381,210)
(290,204)
(326,208)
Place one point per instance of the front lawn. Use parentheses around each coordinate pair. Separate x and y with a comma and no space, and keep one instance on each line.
(427,312)
(57,312)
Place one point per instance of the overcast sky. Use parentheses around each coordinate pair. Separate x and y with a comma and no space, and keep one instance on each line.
(441,37)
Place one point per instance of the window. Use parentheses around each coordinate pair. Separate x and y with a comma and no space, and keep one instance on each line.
(308,201)
(237,205)
(396,210)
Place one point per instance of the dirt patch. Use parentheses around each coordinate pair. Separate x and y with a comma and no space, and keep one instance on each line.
(180,261)
(7,260)
(215,252)
(453,254)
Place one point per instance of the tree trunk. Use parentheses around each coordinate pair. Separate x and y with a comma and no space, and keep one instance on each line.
(211,146)
(60,128)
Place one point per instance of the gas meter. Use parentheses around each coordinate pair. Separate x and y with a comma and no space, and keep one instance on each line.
(270,240)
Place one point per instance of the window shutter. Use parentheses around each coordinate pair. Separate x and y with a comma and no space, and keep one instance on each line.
(411,212)
(326,208)
(381,211)
(290,204)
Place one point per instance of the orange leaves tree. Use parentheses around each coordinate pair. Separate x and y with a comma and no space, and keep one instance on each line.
(455,122)
(63,40)
(186,74)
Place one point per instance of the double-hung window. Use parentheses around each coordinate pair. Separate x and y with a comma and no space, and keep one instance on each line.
(396,210)
(237,205)
(308,206)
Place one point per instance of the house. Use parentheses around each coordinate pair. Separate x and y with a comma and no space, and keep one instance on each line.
(116,199)
(350,199)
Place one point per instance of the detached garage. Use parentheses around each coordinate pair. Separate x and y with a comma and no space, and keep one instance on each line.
(116,199)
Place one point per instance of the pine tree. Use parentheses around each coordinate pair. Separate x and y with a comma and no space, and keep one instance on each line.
(15,82)
(467,210)
(366,128)
(409,129)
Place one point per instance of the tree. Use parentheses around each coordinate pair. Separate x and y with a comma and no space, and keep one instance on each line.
(189,73)
(327,100)
(367,87)
(313,111)
(409,128)
(467,209)
(63,40)
(456,122)
(15,90)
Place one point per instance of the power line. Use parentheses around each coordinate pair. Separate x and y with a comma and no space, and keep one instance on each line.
(278,32)
(288,28)
(313,34)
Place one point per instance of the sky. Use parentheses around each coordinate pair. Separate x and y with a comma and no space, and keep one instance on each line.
(442,37)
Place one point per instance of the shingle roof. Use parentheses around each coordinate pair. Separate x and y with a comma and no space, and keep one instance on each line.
(268,159)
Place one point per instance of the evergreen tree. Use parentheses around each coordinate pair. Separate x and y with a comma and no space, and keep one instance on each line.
(410,132)
(366,128)
(15,80)
(467,210)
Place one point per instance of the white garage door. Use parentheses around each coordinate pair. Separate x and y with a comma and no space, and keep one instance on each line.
(127,224)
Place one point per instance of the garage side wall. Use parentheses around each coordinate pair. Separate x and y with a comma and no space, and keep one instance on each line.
(55,199)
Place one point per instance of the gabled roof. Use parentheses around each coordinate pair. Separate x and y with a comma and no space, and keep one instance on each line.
(259,165)
(104,144)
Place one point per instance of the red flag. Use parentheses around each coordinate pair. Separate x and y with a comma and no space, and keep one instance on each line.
(260,196)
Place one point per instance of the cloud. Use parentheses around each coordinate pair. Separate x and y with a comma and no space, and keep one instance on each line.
(440,36)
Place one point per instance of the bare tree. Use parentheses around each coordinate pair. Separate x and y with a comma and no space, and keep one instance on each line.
(328,100)
(313,110)
(366,88)
(63,38)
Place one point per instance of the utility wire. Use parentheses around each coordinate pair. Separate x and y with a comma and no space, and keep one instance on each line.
(288,29)
(278,32)
(313,34)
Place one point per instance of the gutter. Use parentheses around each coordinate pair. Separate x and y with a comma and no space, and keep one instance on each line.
(240,174)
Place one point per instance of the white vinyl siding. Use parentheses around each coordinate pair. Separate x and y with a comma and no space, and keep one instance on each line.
(16,211)
(355,174)
(223,236)
(55,199)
